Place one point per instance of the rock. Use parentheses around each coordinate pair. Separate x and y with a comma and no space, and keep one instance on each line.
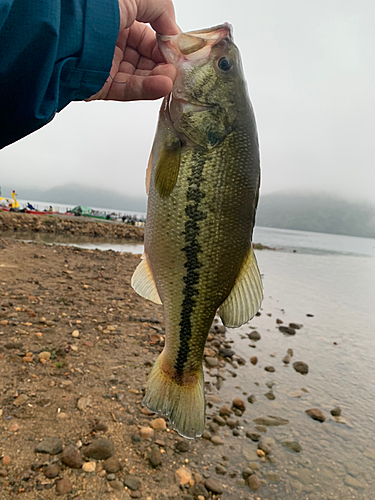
(211,362)
(52,446)
(279,321)
(213,486)
(336,412)
(220,469)
(6,460)
(100,427)
(253,482)
(226,353)
(261,428)
(112,465)
(64,486)
(287,330)
(84,402)
(219,420)
(72,457)
(253,360)
(89,466)
(214,426)
(273,477)
(110,477)
(14,428)
(132,482)
(155,456)
(217,440)
(270,421)
(183,446)
(147,432)
(290,351)
(295,394)
(354,483)
(117,485)
(213,399)
(369,453)
(100,449)
(75,334)
(225,411)
(287,359)
(296,326)
(52,471)
(206,434)
(254,335)
(269,368)
(183,476)
(198,490)
(316,414)
(44,355)
(239,404)
(247,472)
(265,445)
(249,452)
(292,445)
(251,399)
(254,436)
(270,395)
(20,400)
(158,424)
(301,367)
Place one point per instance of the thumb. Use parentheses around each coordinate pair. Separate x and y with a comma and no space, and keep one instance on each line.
(160,14)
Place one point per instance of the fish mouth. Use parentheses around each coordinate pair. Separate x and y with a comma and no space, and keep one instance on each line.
(192,45)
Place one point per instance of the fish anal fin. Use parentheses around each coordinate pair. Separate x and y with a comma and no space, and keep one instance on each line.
(246,296)
(183,404)
(168,167)
(143,282)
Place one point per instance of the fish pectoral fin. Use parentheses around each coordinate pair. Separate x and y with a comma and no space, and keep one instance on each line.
(246,295)
(143,282)
(168,167)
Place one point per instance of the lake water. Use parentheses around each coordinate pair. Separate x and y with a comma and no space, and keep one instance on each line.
(332,278)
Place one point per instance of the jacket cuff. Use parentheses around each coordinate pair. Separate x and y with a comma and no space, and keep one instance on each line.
(101,29)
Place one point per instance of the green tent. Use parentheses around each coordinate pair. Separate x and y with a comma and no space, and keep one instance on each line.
(80,210)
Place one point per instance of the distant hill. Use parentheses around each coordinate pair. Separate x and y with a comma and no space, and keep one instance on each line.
(316,212)
(75,194)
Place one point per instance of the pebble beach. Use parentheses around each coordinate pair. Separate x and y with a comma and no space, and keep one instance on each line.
(76,345)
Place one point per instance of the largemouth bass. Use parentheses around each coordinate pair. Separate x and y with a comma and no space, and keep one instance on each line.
(203,180)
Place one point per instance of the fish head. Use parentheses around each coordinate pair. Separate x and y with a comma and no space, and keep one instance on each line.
(209,89)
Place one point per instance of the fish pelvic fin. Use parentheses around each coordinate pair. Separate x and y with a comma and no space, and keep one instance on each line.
(182,403)
(246,296)
(143,281)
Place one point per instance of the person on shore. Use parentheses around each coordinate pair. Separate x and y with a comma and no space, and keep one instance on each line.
(59,51)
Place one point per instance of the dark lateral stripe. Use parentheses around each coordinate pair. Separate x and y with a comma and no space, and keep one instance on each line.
(194,196)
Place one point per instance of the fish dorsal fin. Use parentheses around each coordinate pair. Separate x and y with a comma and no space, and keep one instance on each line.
(143,281)
(246,295)
(168,167)
(148,174)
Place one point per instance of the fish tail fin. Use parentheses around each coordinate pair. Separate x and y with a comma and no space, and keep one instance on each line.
(182,403)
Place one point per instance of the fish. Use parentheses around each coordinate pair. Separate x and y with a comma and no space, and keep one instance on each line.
(203,181)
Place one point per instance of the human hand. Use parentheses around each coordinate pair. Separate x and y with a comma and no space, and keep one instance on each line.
(138,68)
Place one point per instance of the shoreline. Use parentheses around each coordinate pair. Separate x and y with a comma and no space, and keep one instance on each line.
(69,225)
(76,345)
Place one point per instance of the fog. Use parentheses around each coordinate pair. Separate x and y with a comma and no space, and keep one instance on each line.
(310,67)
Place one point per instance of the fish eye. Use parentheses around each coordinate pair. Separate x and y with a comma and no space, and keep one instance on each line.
(224,64)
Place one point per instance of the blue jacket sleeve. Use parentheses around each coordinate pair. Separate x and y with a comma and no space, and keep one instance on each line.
(52,52)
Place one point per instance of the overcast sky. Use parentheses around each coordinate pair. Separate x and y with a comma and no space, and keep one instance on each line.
(310,68)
